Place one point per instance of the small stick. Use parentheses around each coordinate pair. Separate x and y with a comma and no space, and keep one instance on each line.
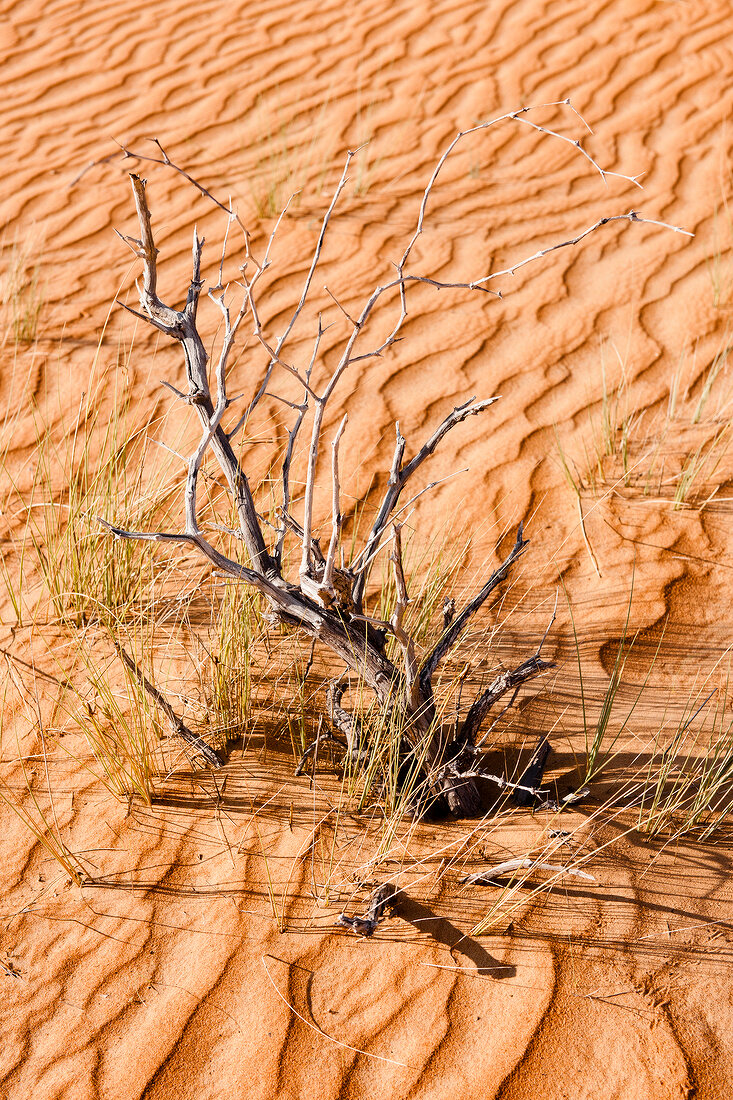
(381,903)
(338,519)
(347,315)
(485,878)
(501,782)
(406,641)
(532,775)
(305,563)
(292,436)
(304,293)
(179,728)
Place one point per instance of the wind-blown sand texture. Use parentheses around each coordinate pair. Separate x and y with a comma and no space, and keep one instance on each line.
(169,977)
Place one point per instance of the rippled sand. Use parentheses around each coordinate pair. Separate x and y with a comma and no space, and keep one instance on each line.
(169,978)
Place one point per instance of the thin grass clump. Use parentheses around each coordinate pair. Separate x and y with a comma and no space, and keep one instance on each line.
(238,628)
(670,453)
(85,581)
(121,727)
(687,784)
(84,472)
(291,155)
(21,292)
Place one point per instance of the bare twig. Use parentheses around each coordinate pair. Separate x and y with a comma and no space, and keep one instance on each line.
(336,513)
(347,315)
(182,327)
(304,293)
(399,476)
(312,749)
(406,641)
(292,437)
(450,636)
(509,866)
(632,216)
(291,524)
(165,160)
(178,726)
(310,481)
(497,689)
(504,682)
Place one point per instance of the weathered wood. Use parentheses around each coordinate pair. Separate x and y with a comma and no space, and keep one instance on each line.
(399,476)
(325,601)
(359,645)
(497,689)
(180,729)
(523,863)
(531,777)
(455,628)
(382,903)
(181,326)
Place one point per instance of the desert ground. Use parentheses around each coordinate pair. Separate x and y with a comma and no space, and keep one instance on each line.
(176,935)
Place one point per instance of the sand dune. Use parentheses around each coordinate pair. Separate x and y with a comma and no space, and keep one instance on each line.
(168,976)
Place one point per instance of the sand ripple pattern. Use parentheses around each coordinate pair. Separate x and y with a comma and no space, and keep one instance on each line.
(154,984)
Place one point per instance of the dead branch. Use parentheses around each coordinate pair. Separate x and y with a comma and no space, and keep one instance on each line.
(291,524)
(500,781)
(287,460)
(532,775)
(179,728)
(504,682)
(406,641)
(382,903)
(338,519)
(399,476)
(312,749)
(450,636)
(510,866)
(350,726)
(631,216)
(303,296)
(323,600)
(497,689)
(181,326)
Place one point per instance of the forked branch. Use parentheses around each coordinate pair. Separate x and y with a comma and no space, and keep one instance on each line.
(452,633)
(325,600)
(399,475)
(181,326)
(498,688)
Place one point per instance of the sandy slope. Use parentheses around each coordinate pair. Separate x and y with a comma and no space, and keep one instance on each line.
(167,978)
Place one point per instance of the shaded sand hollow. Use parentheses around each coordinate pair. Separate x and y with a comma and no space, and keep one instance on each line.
(168,976)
